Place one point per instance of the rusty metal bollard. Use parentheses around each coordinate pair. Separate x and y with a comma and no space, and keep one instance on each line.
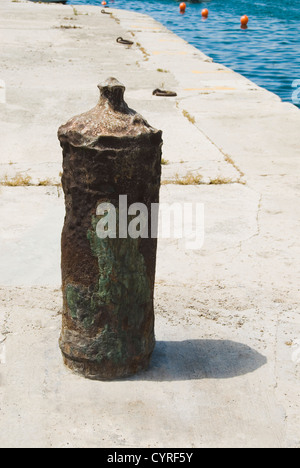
(108,280)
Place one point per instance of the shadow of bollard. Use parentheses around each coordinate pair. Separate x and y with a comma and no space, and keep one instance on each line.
(201,359)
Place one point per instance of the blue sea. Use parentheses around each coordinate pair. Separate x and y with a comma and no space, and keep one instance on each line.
(268,52)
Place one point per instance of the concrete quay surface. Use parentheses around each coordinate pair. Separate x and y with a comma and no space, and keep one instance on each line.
(225,372)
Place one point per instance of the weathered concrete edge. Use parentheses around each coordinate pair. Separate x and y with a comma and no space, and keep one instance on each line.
(192,52)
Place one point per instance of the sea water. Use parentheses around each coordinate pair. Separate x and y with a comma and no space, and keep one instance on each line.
(268,52)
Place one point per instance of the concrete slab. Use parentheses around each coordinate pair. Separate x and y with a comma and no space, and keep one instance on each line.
(46,84)
(192,372)
(2,92)
(30,235)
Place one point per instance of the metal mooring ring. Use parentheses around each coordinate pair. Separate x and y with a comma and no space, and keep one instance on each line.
(120,40)
(162,92)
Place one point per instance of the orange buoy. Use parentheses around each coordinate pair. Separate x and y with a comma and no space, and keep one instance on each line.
(182,7)
(104,3)
(205,13)
(244,21)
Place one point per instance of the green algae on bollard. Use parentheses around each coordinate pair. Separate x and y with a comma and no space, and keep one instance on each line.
(108,281)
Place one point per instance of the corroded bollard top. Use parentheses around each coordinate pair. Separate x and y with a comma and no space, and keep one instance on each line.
(110,117)
(112,91)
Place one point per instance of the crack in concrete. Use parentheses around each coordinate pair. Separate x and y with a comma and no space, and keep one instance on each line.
(228,159)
